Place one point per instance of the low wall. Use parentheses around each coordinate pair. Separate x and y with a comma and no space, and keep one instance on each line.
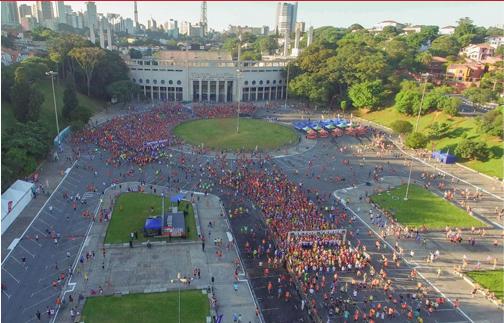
(17,196)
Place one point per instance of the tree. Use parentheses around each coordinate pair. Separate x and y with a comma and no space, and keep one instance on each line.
(366,94)
(70,101)
(401,127)
(466,32)
(135,53)
(27,101)
(444,46)
(451,105)
(343,105)
(87,58)
(470,149)
(416,140)
(250,55)
(311,87)
(436,98)
(407,101)
(478,96)
(437,130)
(123,90)
(491,122)
(266,44)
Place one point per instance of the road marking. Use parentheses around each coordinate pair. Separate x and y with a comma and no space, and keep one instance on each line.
(405,260)
(8,296)
(40,211)
(41,301)
(17,281)
(20,246)
(40,290)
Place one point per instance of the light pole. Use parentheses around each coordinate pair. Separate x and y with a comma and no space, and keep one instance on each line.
(287,86)
(162,204)
(426,75)
(238,71)
(53,75)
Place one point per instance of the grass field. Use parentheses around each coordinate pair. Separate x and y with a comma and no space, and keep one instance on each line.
(458,126)
(131,210)
(47,111)
(492,280)
(423,208)
(221,134)
(147,308)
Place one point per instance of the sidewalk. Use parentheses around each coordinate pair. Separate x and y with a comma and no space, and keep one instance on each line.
(142,270)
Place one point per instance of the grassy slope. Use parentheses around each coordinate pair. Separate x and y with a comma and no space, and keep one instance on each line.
(221,134)
(423,207)
(490,279)
(458,126)
(47,112)
(144,308)
(135,209)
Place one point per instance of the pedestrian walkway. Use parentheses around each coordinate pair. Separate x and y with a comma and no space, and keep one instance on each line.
(124,270)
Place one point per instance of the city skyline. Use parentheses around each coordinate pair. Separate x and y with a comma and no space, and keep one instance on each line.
(317,14)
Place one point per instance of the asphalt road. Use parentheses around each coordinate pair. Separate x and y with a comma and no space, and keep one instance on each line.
(29,283)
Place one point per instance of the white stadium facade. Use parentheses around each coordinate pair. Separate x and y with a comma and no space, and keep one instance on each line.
(212,77)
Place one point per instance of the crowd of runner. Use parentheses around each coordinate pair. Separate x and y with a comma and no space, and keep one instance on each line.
(317,261)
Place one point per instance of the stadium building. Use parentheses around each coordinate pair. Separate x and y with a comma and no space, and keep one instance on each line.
(200,76)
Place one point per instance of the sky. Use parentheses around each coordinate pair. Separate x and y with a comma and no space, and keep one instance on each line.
(221,14)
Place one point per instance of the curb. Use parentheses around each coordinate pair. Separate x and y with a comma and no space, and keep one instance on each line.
(471,282)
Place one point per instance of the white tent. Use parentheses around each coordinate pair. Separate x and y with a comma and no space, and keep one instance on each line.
(18,196)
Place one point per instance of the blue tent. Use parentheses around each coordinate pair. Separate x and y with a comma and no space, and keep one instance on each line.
(176,198)
(153,226)
(444,157)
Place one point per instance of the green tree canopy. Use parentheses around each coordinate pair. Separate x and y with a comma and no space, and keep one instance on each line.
(471,149)
(445,46)
(401,127)
(416,140)
(367,94)
(123,91)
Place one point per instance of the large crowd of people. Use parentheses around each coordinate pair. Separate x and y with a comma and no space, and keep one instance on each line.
(317,260)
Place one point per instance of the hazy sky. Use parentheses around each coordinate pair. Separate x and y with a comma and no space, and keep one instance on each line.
(339,14)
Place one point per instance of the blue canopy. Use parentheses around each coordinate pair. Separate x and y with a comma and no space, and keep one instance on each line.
(176,198)
(153,223)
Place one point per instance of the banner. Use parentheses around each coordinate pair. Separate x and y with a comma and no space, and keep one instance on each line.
(9,206)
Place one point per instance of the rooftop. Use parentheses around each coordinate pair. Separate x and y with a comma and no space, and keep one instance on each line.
(195,55)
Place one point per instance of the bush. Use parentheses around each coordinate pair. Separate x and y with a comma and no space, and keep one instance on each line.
(471,149)
(401,127)
(416,140)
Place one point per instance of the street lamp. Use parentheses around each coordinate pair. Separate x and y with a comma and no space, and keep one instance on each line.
(52,75)
(162,205)
(426,76)
(238,72)
(287,86)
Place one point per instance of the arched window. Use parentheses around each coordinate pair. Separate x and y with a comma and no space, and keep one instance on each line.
(253,82)
(261,82)
(179,82)
(267,81)
(274,81)
(133,80)
(246,82)
(140,81)
(280,82)
(154,81)
(147,81)
(162,81)
(170,82)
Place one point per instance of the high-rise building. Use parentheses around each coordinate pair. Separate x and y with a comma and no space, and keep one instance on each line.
(28,23)
(203,19)
(10,16)
(185,28)
(309,40)
(152,24)
(300,25)
(286,16)
(91,14)
(171,24)
(60,11)
(25,10)
(128,26)
(44,12)
(136,15)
